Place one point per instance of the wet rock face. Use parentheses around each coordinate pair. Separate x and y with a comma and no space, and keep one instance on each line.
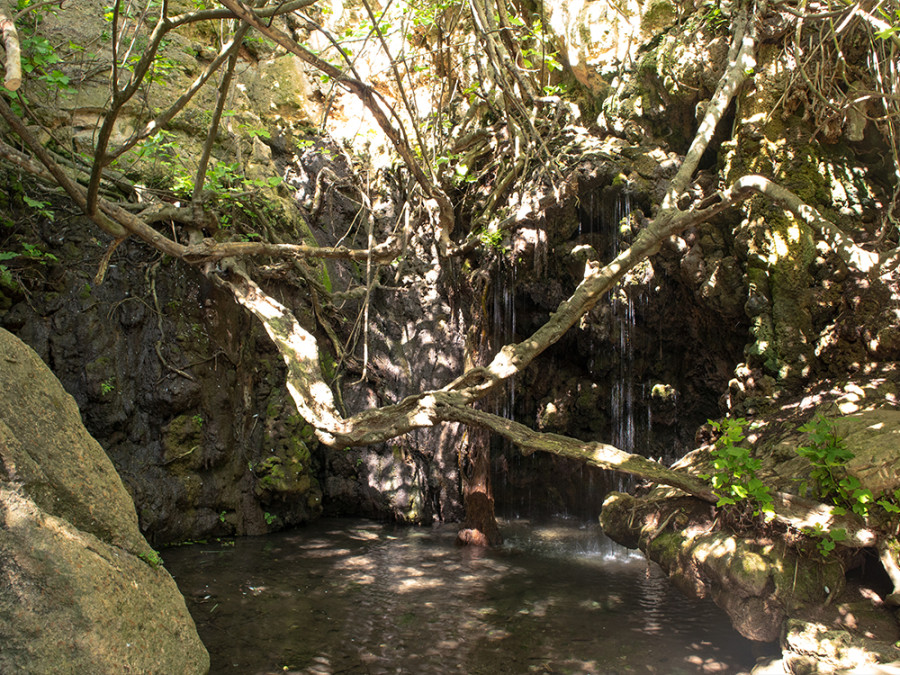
(82,591)
(180,387)
(415,343)
(186,393)
(641,371)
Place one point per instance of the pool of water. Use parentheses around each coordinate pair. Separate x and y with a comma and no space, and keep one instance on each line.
(352,596)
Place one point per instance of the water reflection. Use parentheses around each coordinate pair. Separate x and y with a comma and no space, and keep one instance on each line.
(360,597)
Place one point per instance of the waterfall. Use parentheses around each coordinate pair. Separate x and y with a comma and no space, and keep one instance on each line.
(503,307)
(504,325)
(609,398)
(623,304)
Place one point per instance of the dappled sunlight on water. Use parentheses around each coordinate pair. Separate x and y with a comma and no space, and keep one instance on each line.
(348,596)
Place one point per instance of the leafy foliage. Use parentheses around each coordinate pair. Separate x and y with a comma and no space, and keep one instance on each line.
(152,558)
(828,454)
(735,479)
(38,53)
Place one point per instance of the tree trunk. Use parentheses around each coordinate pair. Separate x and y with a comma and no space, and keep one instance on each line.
(480,526)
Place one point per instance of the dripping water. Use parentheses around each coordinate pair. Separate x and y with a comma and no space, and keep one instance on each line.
(504,326)
(503,307)
(624,305)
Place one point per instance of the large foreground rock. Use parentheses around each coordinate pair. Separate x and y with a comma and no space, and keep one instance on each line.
(81,591)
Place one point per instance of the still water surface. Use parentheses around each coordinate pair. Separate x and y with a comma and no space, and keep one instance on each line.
(350,596)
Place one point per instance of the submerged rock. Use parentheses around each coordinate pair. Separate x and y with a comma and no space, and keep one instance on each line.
(81,591)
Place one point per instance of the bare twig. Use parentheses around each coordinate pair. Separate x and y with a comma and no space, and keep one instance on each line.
(373,102)
(213,131)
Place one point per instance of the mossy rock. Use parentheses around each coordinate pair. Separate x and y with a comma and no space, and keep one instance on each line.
(658,15)
(282,476)
(183,441)
(83,591)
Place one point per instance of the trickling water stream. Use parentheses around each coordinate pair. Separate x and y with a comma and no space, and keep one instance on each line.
(607,357)
(362,597)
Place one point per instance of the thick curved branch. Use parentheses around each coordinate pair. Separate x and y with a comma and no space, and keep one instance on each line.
(853,255)
(316,404)
(742,62)
(596,454)
(419,410)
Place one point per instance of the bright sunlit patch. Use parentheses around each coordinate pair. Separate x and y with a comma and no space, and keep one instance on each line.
(718,549)
(708,665)
(780,246)
(417,584)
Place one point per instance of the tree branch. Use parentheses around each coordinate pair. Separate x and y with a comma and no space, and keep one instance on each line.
(596,454)
(370,99)
(213,131)
(742,61)
(269,12)
(13,79)
(853,255)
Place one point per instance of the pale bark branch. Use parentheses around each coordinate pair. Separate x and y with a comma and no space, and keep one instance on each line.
(742,63)
(13,78)
(316,404)
(601,455)
(853,256)
(419,410)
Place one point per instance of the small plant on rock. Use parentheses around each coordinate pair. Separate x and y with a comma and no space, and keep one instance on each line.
(735,478)
(830,482)
(152,558)
(828,454)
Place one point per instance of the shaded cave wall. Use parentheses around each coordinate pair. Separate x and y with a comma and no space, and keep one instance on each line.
(185,391)
(645,368)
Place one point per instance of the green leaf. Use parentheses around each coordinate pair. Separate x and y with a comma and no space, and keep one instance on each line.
(888,506)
